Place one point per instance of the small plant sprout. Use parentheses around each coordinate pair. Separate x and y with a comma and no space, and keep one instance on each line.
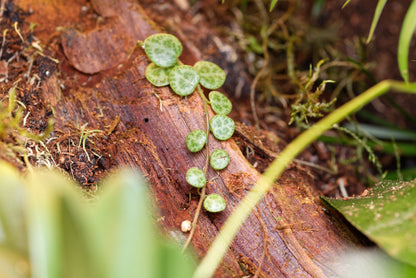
(220,103)
(183,80)
(156,75)
(196,140)
(219,159)
(212,76)
(222,127)
(163,49)
(214,203)
(196,177)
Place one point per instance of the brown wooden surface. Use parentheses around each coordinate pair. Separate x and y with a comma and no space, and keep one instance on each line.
(288,233)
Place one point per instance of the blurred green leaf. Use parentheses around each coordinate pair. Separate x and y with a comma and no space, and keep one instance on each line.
(346,3)
(13,264)
(406,34)
(377,13)
(404,149)
(44,211)
(12,199)
(381,132)
(174,264)
(124,228)
(406,174)
(386,215)
(368,263)
(49,229)
(272,4)
(78,254)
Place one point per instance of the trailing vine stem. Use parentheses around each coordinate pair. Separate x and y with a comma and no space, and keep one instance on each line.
(205,170)
(230,228)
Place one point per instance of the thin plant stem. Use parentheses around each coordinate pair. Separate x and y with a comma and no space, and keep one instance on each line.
(202,195)
(224,238)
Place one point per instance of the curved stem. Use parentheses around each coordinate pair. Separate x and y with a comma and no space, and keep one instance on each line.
(202,196)
(234,222)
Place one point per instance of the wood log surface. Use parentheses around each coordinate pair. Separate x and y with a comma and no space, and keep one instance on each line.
(100,81)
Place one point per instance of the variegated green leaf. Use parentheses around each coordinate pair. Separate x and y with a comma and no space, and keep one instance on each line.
(196,177)
(222,127)
(156,75)
(219,159)
(196,140)
(212,76)
(214,203)
(183,80)
(163,49)
(220,103)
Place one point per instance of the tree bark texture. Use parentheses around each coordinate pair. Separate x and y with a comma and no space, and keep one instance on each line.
(287,235)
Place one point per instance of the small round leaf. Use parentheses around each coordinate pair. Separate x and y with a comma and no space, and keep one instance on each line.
(219,159)
(214,203)
(163,49)
(220,103)
(196,177)
(222,127)
(183,80)
(156,75)
(196,140)
(212,76)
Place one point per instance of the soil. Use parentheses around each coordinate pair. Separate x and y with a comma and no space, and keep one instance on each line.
(38,59)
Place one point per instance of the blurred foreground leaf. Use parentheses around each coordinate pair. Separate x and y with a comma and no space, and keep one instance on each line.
(386,215)
(49,229)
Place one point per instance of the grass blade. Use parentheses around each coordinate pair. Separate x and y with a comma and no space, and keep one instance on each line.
(272,4)
(377,13)
(346,3)
(406,34)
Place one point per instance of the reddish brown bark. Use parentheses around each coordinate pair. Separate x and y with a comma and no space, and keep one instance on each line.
(288,233)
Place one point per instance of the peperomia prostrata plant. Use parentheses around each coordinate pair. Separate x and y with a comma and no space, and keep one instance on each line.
(163,50)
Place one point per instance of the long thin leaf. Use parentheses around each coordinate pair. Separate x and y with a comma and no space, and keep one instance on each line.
(377,13)
(272,4)
(406,34)
(346,3)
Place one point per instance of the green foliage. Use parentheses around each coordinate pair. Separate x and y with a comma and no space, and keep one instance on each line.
(309,104)
(11,116)
(196,140)
(272,4)
(220,103)
(212,76)
(196,177)
(214,203)
(230,228)
(163,49)
(386,216)
(377,14)
(367,263)
(50,230)
(222,127)
(219,159)
(156,75)
(183,80)
(406,34)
